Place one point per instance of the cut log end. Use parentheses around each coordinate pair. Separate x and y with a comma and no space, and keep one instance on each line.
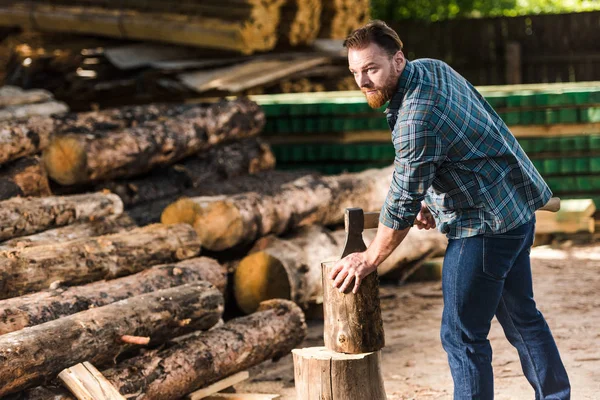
(219,226)
(260,277)
(182,211)
(65,160)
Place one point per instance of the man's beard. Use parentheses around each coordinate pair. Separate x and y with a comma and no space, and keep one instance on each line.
(381,95)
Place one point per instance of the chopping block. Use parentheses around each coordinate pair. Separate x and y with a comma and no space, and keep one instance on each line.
(348,367)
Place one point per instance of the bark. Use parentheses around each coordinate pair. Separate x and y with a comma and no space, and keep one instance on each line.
(24,177)
(352,322)
(23,138)
(76,158)
(35,355)
(290,267)
(150,212)
(31,269)
(226,161)
(320,373)
(79,230)
(20,217)
(225,223)
(199,360)
(37,308)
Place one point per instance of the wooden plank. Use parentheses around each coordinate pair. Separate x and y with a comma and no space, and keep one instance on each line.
(574,216)
(218,386)
(87,383)
(242,396)
(522,131)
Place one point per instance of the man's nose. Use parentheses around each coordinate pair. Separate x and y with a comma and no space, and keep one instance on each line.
(364,80)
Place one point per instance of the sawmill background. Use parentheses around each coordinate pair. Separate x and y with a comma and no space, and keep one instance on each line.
(149,146)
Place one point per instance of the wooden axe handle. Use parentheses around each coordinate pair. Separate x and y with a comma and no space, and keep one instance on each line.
(372,218)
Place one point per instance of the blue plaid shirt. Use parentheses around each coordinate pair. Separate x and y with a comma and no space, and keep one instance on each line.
(456,153)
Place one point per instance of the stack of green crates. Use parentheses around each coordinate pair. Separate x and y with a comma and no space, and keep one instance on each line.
(305,131)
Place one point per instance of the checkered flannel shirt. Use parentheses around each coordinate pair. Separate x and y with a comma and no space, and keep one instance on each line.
(454,152)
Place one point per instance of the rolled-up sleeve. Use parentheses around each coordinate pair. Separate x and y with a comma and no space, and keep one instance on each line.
(419,153)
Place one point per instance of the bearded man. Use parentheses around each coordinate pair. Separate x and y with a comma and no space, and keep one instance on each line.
(458,167)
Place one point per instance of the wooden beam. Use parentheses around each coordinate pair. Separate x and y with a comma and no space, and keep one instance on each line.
(218,386)
(87,383)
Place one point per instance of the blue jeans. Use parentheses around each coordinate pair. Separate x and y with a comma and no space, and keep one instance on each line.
(489,275)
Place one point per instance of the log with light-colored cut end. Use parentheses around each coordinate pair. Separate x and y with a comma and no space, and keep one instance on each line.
(37,308)
(199,360)
(78,230)
(38,353)
(223,162)
(80,158)
(225,223)
(290,267)
(340,17)
(352,322)
(30,269)
(321,373)
(24,177)
(287,268)
(20,217)
(23,138)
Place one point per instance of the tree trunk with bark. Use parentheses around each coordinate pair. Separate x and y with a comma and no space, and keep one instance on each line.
(73,158)
(290,267)
(31,269)
(20,217)
(150,212)
(24,177)
(248,156)
(199,360)
(23,138)
(225,223)
(352,321)
(79,230)
(37,354)
(37,308)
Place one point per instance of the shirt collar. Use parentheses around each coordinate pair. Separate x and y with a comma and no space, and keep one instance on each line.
(403,82)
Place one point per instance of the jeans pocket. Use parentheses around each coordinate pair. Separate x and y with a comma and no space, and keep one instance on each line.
(500,253)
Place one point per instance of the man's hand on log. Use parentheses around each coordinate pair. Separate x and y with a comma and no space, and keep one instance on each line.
(424,219)
(352,267)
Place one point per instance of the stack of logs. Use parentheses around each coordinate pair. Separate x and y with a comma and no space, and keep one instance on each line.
(244,26)
(81,280)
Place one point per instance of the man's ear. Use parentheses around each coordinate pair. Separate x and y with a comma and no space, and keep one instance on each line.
(399,61)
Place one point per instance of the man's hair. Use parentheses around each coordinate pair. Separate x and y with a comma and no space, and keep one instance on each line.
(377,32)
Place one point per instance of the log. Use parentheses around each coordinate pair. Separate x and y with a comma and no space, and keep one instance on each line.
(320,373)
(20,217)
(285,268)
(252,30)
(150,212)
(352,322)
(37,308)
(39,353)
(24,177)
(300,22)
(199,360)
(223,162)
(80,158)
(224,223)
(79,230)
(23,138)
(290,267)
(31,269)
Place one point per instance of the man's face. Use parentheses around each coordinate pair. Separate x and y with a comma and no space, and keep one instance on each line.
(376,72)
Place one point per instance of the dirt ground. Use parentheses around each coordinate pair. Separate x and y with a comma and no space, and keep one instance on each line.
(567,290)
